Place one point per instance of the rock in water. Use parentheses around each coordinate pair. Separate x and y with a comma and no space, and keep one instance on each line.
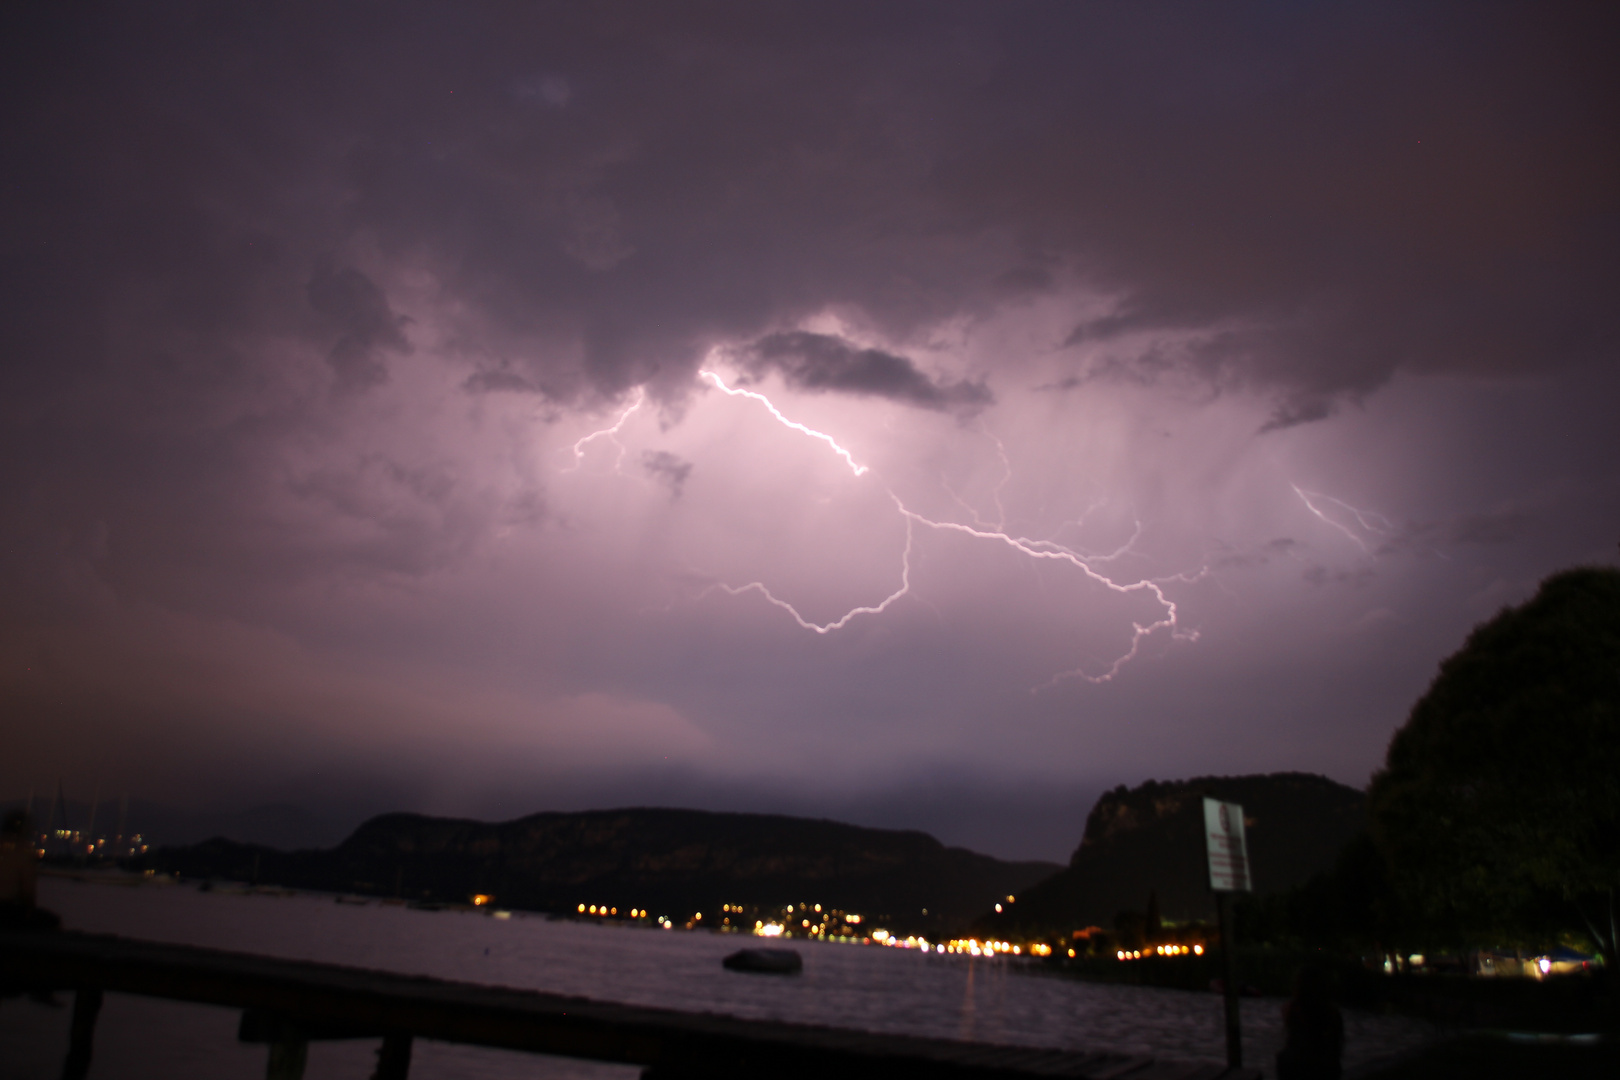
(765,961)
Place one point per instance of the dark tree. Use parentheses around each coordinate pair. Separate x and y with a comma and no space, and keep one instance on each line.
(1498,809)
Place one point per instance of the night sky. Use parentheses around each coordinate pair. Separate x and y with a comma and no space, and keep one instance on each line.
(1132,391)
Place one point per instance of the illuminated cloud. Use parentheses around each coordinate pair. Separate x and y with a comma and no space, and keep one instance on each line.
(353,405)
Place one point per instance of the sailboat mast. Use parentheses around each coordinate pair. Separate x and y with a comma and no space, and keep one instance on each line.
(50,823)
(90,830)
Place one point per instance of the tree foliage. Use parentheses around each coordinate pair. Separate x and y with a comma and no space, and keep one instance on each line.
(1498,809)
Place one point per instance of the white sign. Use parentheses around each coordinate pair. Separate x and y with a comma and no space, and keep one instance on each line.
(1228,855)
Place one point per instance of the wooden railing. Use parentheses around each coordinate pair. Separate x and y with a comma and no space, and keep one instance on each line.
(286,1004)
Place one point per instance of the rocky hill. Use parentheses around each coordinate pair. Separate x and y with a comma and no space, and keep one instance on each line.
(1149,840)
(674,861)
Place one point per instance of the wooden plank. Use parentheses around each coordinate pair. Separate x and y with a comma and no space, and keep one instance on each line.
(327,997)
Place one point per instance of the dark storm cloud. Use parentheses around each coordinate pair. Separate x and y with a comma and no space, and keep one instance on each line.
(1491,527)
(1281,547)
(1298,409)
(822,362)
(611,189)
(1364,190)
(1355,577)
(498,380)
(667,469)
(250,252)
(362,315)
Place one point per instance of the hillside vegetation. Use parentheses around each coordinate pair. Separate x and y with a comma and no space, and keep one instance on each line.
(1148,842)
(671,861)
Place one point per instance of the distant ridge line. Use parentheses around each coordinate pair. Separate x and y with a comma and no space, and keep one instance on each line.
(682,861)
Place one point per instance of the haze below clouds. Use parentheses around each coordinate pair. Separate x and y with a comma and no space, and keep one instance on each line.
(386,418)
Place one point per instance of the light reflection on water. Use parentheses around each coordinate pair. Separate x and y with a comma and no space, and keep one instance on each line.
(885,990)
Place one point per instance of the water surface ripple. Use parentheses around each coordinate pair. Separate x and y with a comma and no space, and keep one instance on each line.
(881,990)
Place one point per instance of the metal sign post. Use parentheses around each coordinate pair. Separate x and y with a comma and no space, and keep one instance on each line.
(1228,874)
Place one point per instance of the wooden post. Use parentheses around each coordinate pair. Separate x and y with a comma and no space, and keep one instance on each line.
(1234,1031)
(393,1058)
(86,1005)
(288,1054)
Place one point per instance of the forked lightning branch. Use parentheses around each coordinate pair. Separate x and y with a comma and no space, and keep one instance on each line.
(1042,550)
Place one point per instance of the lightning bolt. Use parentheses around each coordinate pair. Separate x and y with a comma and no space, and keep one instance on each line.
(1000,522)
(843,620)
(1377,524)
(1006,475)
(1046,549)
(609,433)
(1090,559)
(1034,549)
(995,493)
(737,391)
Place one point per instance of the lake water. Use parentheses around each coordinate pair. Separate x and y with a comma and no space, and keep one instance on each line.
(876,989)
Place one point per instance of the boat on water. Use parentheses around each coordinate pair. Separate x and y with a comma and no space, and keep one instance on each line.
(765,961)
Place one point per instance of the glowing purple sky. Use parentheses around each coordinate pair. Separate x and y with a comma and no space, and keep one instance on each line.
(1286,334)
